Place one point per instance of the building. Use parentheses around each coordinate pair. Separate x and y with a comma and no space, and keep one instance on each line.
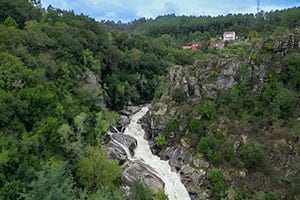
(229,36)
(193,46)
(217,44)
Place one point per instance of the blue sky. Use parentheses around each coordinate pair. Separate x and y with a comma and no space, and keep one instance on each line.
(127,10)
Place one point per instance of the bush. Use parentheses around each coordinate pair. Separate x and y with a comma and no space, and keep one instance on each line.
(208,110)
(140,192)
(160,140)
(205,145)
(219,134)
(217,183)
(196,126)
(160,195)
(252,154)
(172,125)
(178,96)
(217,158)
(264,196)
(229,152)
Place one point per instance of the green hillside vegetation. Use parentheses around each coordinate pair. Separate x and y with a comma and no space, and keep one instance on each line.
(63,77)
(267,119)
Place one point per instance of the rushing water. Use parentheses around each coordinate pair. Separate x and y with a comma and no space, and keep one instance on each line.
(173,185)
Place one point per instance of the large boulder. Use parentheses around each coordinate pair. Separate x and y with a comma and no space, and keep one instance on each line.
(127,140)
(138,172)
(122,122)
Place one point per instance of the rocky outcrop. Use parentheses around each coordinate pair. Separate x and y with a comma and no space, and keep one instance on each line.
(207,79)
(90,77)
(138,172)
(122,122)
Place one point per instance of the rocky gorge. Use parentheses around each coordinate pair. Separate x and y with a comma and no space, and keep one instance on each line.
(205,79)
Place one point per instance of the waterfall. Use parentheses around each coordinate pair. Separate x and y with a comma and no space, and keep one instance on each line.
(173,185)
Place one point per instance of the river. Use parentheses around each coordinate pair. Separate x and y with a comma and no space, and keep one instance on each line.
(173,185)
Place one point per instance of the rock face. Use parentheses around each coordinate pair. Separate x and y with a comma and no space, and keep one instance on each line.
(90,77)
(208,78)
(193,177)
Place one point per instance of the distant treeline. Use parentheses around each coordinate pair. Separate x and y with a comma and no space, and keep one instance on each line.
(262,22)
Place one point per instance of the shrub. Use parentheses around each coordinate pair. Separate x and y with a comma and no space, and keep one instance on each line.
(264,196)
(217,158)
(172,125)
(217,183)
(208,110)
(252,154)
(178,96)
(140,192)
(160,140)
(229,152)
(160,195)
(196,126)
(205,145)
(219,134)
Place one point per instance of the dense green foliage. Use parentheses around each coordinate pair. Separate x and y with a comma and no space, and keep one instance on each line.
(62,74)
(139,191)
(218,183)
(58,73)
(191,28)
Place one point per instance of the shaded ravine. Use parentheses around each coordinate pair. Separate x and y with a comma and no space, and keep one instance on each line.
(173,185)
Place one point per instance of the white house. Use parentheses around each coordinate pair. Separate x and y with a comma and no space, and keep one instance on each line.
(229,36)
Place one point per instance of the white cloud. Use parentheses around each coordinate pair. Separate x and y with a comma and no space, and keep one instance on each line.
(127,10)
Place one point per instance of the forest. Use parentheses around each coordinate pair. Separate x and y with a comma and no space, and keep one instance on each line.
(64,77)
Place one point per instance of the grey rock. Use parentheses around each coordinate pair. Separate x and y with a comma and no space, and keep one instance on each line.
(129,110)
(126,140)
(137,171)
(184,143)
(242,174)
(200,163)
(123,121)
(236,145)
(90,77)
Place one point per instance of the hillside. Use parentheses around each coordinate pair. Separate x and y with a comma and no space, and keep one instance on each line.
(230,125)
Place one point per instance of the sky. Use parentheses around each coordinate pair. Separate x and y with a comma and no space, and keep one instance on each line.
(128,10)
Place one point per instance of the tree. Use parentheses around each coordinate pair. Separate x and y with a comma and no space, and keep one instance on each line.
(37,3)
(9,21)
(91,62)
(140,192)
(104,193)
(136,56)
(95,170)
(53,182)
(20,10)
